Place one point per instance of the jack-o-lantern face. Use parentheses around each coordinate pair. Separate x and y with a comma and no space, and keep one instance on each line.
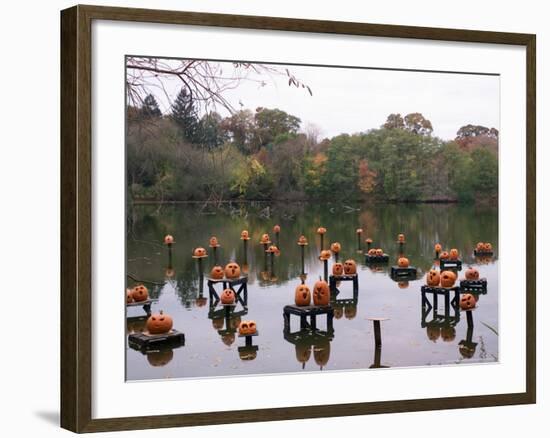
(199,252)
(228,339)
(350,311)
(321,352)
(335,247)
(213,242)
(302,240)
(245,235)
(403,262)
(129,298)
(216,273)
(338,269)
(437,247)
(159,323)
(480,246)
(160,358)
(433,278)
(303,352)
(433,333)
(232,270)
(140,293)
(265,238)
(168,239)
(453,254)
(379,252)
(444,255)
(325,255)
(448,278)
(321,293)
(302,295)
(472,274)
(402,284)
(277,229)
(467,302)
(350,267)
(247,328)
(218,323)
(359,230)
(321,230)
(448,334)
(401,238)
(227,296)
(488,247)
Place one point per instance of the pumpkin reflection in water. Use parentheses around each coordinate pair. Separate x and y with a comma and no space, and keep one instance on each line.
(169,272)
(218,323)
(448,333)
(248,353)
(403,284)
(471,274)
(160,358)
(467,350)
(338,310)
(321,352)
(228,339)
(234,322)
(201,301)
(303,351)
(433,333)
(350,311)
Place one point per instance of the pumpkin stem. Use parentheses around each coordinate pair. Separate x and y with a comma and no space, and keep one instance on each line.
(161,312)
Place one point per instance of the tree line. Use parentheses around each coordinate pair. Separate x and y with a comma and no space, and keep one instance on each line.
(267,154)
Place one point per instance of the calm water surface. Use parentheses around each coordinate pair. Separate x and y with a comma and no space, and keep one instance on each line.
(212,348)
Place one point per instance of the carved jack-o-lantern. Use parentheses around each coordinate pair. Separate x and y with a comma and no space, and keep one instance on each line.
(232,270)
(245,235)
(488,247)
(129,298)
(213,242)
(321,293)
(444,255)
(216,273)
(480,246)
(448,278)
(350,267)
(433,278)
(338,269)
(453,254)
(471,274)
(379,252)
(199,252)
(276,229)
(227,296)
(302,295)
(247,328)
(433,333)
(302,240)
(140,293)
(325,255)
(401,238)
(160,358)
(438,249)
(265,238)
(403,262)
(168,239)
(335,247)
(159,323)
(467,302)
(321,230)
(448,333)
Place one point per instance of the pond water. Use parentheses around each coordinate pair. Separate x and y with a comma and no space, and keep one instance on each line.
(410,336)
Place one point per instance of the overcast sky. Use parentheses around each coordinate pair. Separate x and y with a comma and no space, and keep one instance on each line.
(353,100)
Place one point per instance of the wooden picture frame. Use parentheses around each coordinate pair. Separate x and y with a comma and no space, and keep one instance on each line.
(76,222)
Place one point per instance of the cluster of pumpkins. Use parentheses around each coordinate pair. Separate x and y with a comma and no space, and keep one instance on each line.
(446,333)
(484,247)
(349,267)
(231,271)
(247,328)
(452,254)
(448,278)
(375,252)
(137,294)
(321,294)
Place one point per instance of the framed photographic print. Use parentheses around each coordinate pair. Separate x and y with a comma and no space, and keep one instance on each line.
(292,206)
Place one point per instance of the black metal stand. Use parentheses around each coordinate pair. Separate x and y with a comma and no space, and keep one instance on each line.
(399,274)
(238,285)
(370,259)
(146,342)
(446,319)
(455,264)
(145,304)
(306,312)
(333,279)
(477,286)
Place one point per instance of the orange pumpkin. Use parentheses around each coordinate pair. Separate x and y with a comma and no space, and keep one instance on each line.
(338,269)
(216,273)
(159,323)
(369,241)
(379,252)
(453,254)
(480,246)
(321,293)
(403,262)
(444,255)
(437,247)
(276,229)
(448,278)
(302,295)
(433,278)
(265,238)
(488,247)
(232,270)
(168,239)
(228,339)
(359,230)
(213,242)
(303,352)
(140,293)
(335,247)
(350,267)
(199,252)
(467,302)
(472,274)
(129,298)
(302,240)
(227,296)
(321,230)
(350,311)
(401,238)
(321,352)
(247,328)
(372,252)
(245,235)
(325,255)
(448,333)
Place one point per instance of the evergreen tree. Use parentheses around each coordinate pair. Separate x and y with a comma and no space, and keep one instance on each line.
(185,115)
(150,107)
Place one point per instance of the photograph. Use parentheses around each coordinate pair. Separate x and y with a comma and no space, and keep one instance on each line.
(287,218)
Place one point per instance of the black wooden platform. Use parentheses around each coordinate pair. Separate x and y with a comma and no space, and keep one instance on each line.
(438,319)
(306,336)
(333,279)
(305,312)
(238,285)
(248,338)
(145,304)
(145,341)
(403,273)
(450,263)
(483,253)
(479,286)
(377,259)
